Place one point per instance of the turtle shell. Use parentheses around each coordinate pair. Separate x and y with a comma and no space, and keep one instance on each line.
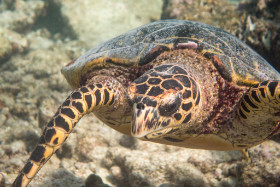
(236,61)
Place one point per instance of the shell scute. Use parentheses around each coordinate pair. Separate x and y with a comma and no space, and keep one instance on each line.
(237,62)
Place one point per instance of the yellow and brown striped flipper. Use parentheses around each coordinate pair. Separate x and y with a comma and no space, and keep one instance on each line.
(80,102)
(262,99)
(258,114)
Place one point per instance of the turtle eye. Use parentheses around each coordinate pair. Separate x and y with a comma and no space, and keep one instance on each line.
(169,105)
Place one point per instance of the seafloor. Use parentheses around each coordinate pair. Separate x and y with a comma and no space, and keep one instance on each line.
(38,37)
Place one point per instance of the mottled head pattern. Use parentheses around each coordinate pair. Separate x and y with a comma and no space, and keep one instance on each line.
(163,97)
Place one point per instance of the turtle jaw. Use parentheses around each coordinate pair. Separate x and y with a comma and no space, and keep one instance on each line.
(144,121)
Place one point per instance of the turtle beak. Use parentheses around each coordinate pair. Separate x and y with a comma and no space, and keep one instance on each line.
(146,120)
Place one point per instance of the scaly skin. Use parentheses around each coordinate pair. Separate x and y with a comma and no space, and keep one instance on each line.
(168,105)
(257,115)
(165,96)
(105,94)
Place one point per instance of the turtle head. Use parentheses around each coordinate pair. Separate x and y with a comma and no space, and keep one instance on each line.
(163,98)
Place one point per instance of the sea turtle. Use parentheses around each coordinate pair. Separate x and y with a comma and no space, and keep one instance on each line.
(181,83)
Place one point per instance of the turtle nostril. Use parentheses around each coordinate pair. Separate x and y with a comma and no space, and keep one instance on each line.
(140,106)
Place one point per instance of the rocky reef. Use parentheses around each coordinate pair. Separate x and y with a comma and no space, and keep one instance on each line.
(39,37)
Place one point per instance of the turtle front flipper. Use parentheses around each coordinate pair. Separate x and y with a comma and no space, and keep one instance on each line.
(257,115)
(103,94)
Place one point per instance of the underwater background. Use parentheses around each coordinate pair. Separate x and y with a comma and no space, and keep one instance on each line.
(37,38)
